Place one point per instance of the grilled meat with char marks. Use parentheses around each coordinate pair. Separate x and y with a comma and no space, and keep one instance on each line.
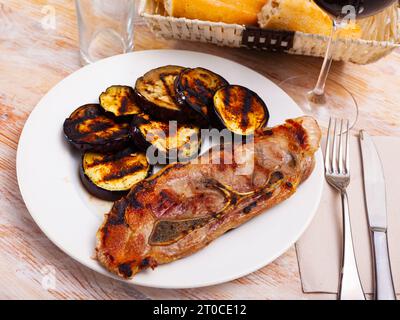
(186,206)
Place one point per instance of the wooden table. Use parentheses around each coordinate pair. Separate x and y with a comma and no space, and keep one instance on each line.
(33,59)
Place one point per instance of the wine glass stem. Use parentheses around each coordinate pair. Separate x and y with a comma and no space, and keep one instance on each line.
(319,89)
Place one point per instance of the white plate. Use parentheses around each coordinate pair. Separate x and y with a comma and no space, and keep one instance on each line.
(47,171)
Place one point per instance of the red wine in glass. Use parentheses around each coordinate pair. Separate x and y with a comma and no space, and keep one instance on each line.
(362,8)
(324,99)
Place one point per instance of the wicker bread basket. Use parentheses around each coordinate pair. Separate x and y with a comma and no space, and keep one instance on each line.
(234,35)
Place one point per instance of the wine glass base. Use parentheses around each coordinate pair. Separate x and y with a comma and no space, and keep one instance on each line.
(337,102)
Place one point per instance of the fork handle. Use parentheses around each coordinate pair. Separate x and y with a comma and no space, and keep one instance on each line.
(349,284)
(384,288)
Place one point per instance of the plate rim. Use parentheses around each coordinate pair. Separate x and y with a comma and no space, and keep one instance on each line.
(36,219)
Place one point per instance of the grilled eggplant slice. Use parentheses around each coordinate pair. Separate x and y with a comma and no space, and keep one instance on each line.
(120,101)
(111,176)
(170,140)
(240,110)
(196,87)
(89,129)
(157,96)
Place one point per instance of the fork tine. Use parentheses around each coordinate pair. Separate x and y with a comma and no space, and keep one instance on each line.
(328,167)
(347,156)
(341,160)
(334,159)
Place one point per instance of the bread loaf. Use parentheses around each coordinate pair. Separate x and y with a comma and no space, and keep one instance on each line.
(301,15)
(228,11)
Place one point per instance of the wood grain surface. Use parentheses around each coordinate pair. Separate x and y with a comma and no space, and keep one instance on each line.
(34,57)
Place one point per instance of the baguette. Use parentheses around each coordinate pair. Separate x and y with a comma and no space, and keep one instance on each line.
(301,15)
(229,11)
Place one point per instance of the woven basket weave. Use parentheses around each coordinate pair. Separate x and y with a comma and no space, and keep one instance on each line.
(234,35)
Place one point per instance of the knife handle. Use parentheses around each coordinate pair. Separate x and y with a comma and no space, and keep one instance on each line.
(384,288)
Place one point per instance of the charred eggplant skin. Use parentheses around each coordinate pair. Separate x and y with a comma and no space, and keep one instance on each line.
(157,97)
(196,88)
(117,170)
(119,101)
(137,137)
(239,110)
(89,129)
(143,144)
(160,83)
(97,191)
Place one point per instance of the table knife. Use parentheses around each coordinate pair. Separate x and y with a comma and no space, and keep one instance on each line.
(375,197)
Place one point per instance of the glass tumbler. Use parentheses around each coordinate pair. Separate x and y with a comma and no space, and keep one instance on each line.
(105,28)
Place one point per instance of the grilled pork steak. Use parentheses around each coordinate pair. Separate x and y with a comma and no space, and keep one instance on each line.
(186,206)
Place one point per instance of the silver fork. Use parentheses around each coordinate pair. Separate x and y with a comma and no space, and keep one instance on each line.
(337,174)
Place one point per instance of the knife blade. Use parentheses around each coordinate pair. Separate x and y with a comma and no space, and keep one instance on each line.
(374,183)
(375,198)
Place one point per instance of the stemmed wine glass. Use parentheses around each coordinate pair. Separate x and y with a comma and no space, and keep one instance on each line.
(328,98)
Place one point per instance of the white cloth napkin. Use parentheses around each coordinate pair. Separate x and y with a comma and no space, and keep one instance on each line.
(319,249)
